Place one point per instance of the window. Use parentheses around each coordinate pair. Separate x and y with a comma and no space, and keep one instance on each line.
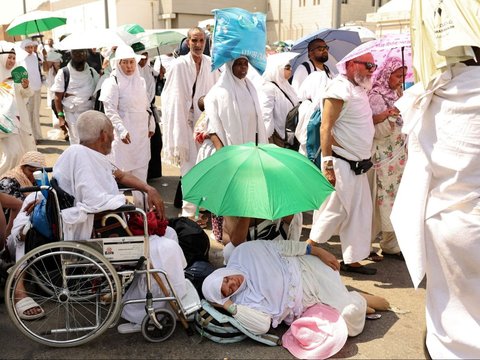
(344,1)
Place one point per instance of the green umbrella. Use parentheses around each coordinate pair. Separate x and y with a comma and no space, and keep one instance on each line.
(258,181)
(132,28)
(35,22)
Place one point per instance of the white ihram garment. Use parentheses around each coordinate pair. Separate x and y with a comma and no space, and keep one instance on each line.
(348,211)
(233,110)
(126,104)
(436,214)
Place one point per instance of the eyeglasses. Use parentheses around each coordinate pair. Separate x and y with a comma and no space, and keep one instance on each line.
(321,48)
(368,65)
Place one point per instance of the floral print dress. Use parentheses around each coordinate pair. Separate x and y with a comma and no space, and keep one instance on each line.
(389,152)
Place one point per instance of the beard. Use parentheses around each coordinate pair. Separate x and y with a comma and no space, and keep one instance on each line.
(363,81)
(323,58)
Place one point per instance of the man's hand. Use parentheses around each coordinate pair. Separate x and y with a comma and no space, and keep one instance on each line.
(155,202)
(330,176)
(126,139)
(328,258)
(30,206)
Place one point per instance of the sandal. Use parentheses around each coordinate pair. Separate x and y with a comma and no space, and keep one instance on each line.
(27,303)
(375,257)
(357,269)
(398,256)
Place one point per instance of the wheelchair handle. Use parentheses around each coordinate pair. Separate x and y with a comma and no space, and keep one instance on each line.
(31,189)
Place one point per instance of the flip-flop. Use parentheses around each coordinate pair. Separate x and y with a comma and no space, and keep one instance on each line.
(129,328)
(25,304)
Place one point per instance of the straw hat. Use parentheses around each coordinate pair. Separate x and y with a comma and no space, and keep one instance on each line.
(34,159)
(318,334)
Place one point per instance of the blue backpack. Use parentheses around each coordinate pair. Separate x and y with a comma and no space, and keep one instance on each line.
(313,137)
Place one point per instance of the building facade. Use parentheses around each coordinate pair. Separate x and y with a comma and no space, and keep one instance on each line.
(286,19)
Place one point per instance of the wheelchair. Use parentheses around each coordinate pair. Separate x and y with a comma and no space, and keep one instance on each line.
(80,284)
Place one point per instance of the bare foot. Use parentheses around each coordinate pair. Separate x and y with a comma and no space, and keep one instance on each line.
(376,302)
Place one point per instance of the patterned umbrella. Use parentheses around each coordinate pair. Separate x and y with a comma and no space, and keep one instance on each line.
(394,45)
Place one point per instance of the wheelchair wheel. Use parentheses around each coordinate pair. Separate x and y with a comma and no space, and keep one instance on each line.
(78,280)
(167,320)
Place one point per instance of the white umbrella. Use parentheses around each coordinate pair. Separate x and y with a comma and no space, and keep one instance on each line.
(364,33)
(96,38)
(160,41)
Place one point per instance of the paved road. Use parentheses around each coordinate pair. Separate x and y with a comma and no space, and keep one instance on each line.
(394,336)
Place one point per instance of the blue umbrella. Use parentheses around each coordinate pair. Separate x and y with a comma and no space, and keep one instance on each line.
(341,42)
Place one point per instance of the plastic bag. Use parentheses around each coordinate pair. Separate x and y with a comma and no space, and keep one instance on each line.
(8,110)
(238,32)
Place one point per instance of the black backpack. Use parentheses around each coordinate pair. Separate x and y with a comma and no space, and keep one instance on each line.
(291,122)
(191,238)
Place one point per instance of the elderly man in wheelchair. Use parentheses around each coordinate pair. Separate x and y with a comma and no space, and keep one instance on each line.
(84,285)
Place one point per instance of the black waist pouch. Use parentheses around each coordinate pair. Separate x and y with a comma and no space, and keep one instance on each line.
(358,167)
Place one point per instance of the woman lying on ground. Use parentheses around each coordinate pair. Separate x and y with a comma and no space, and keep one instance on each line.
(267,282)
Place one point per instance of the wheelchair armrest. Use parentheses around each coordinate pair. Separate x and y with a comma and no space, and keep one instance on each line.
(126,207)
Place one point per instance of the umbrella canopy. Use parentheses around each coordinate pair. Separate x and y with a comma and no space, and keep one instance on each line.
(132,28)
(258,181)
(341,42)
(96,38)
(364,33)
(35,22)
(394,45)
(443,34)
(160,42)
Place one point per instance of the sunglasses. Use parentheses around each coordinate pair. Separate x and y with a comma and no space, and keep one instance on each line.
(322,48)
(368,65)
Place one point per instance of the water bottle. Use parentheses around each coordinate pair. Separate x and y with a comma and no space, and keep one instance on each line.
(38,175)
(41,178)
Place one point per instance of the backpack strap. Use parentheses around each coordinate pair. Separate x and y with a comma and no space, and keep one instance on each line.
(66,79)
(284,93)
(307,66)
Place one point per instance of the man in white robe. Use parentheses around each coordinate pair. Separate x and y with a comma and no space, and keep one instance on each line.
(32,64)
(346,139)
(77,97)
(85,172)
(189,78)
(317,57)
(436,214)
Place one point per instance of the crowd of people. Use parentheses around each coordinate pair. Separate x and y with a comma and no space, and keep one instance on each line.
(363,155)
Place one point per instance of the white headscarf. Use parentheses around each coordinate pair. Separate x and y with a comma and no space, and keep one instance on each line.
(228,106)
(131,89)
(259,262)
(5,50)
(274,72)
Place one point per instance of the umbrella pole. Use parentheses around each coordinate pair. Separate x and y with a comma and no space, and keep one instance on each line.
(403,67)
(256,139)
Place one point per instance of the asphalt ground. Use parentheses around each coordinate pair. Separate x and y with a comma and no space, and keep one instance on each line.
(396,335)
